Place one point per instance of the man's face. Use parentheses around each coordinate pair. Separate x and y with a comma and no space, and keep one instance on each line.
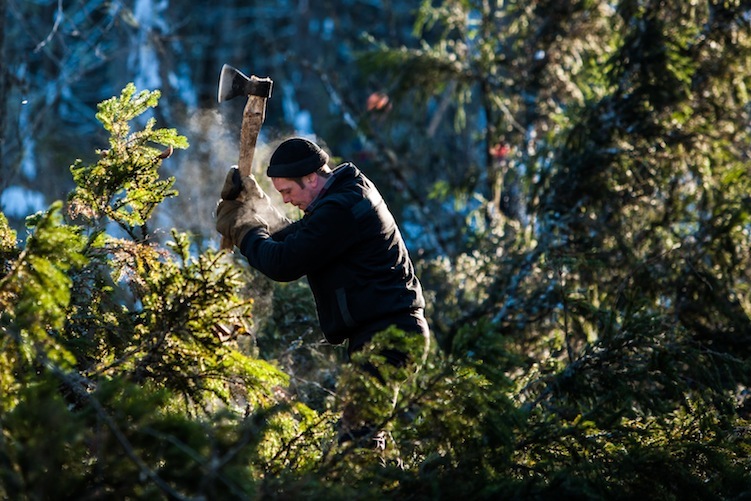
(293,193)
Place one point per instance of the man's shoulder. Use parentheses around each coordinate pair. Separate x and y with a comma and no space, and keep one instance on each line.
(339,200)
(348,186)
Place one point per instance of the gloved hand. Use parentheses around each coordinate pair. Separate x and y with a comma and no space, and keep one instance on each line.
(247,188)
(235,184)
(235,218)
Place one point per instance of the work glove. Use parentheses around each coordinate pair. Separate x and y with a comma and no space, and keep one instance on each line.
(235,218)
(235,184)
(247,189)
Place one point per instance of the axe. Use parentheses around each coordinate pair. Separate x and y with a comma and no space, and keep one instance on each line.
(232,83)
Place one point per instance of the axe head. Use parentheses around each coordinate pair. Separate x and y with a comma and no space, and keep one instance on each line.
(233,83)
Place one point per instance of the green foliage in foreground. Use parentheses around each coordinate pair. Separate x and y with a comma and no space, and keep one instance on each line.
(595,348)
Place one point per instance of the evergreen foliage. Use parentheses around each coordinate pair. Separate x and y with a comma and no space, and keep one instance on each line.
(611,288)
(119,367)
(587,164)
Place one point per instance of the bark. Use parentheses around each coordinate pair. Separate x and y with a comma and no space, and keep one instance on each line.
(3,95)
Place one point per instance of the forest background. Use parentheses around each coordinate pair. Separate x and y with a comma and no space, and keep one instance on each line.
(572,181)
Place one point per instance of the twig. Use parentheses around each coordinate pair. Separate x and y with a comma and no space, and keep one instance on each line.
(564,301)
(77,384)
(55,27)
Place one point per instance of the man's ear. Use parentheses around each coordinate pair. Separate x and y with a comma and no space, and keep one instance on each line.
(311,179)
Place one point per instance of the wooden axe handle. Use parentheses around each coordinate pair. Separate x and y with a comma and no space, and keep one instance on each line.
(253,116)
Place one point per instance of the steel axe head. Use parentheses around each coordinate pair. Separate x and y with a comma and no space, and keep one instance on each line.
(233,83)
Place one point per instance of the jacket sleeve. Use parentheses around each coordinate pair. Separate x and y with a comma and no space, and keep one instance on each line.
(304,246)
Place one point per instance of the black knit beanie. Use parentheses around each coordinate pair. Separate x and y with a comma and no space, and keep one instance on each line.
(296,157)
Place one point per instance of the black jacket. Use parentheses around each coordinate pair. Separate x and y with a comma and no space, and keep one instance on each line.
(352,252)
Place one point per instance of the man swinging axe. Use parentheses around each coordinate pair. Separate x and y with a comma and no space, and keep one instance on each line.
(347,244)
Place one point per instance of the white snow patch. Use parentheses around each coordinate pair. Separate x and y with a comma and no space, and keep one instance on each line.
(19,202)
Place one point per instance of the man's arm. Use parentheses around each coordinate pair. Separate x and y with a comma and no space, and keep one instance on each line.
(305,246)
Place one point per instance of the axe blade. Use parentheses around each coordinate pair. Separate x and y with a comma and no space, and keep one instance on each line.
(233,83)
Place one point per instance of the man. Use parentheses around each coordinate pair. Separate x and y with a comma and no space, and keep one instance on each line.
(347,244)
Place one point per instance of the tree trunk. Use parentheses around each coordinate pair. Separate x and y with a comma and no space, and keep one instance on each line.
(3,97)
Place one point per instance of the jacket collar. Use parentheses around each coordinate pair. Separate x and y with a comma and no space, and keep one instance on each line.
(341,174)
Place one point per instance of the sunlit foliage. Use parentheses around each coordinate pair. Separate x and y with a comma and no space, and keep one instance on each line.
(581,169)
